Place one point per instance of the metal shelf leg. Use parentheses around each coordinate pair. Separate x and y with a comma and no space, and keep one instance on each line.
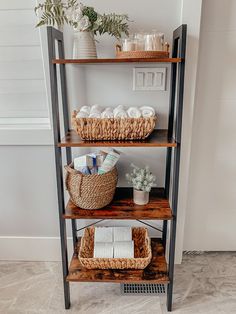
(64,253)
(171,265)
(53,36)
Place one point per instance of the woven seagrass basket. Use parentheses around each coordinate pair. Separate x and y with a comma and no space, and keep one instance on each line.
(92,191)
(142,252)
(94,129)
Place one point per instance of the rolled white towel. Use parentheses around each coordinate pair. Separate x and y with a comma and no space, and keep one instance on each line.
(120,114)
(108,109)
(95,114)
(134,112)
(107,113)
(147,111)
(85,109)
(82,114)
(96,108)
(118,108)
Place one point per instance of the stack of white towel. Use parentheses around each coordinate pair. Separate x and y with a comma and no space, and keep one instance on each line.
(120,111)
(113,242)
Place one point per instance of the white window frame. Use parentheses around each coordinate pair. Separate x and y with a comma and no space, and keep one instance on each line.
(31,131)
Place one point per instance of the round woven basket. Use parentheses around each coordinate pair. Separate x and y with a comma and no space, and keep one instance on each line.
(92,191)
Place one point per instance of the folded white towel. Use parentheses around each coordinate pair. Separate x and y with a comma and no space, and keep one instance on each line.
(147,111)
(107,113)
(103,250)
(134,112)
(82,114)
(85,109)
(122,234)
(96,108)
(123,249)
(120,114)
(95,114)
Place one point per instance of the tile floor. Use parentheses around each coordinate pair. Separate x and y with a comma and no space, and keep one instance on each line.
(204,284)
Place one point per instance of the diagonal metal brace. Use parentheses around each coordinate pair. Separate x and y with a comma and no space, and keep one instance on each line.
(92,224)
(149,225)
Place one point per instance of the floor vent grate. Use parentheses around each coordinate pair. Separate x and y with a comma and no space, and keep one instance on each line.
(133,288)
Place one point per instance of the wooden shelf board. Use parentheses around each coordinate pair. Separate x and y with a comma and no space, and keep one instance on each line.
(158,138)
(116,60)
(122,207)
(155,272)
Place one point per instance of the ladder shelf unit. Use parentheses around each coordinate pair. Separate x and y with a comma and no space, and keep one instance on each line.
(122,207)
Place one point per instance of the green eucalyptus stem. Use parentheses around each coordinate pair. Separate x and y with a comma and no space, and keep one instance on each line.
(60,12)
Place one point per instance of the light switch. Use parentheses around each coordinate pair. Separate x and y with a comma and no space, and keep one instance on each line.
(149,79)
(159,79)
(140,79)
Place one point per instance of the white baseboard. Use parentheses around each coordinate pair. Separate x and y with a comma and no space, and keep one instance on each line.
(31,248)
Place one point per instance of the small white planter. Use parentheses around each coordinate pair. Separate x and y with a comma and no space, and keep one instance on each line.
(84,45)
(140,197)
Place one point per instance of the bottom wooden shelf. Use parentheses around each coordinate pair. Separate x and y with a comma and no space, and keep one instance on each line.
(155,272)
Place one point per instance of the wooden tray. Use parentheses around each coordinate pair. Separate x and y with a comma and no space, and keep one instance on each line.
(142,252)
(140,54)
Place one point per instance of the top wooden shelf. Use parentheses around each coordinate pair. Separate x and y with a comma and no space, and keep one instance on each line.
(116,60)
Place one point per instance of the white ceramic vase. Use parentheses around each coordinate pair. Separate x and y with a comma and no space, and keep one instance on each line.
(84,45)
(140,197)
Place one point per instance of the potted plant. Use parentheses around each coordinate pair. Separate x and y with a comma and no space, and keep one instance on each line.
(142,181)
(85,21)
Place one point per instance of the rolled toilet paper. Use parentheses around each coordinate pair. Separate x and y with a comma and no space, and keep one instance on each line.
(122,234)
(124,249)
(103,234)
(103,250)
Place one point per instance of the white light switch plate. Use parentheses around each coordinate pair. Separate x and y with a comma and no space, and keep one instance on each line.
(149,79)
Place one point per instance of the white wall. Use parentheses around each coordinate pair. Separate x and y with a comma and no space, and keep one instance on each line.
(210,214)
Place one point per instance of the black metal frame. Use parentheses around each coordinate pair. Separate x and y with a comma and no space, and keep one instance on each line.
(174,131)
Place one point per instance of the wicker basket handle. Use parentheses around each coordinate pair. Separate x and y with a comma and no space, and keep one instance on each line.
(69,169)
(148,242)
(72,171)
(118,48)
